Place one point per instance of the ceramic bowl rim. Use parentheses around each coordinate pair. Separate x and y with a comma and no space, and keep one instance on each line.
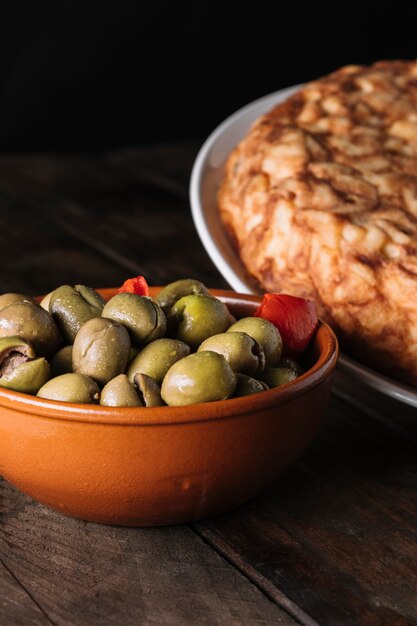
(222,409)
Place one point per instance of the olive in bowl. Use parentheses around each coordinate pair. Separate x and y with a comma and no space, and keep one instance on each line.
(147,466)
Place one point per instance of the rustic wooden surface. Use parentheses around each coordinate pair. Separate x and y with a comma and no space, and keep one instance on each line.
(334,542)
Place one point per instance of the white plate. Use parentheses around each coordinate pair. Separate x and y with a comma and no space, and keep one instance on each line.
(205,179)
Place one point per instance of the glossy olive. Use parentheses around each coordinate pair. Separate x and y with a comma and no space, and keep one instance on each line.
(61,362)
(276,376)
(194,318)
(243,353)
(101,349)
(199,377)
(290,364)
(12,298)
(71,309)
(149,391)
(72,387)
(265,333)
(31,322)
(171,293)
(143,318)
(157,357)
(119,391)
(246,385)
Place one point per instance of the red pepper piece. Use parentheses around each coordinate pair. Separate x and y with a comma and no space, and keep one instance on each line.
(295,318)
(137,285)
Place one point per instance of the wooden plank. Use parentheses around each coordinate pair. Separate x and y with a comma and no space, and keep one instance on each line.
(82,573)
(168,166)
(127,220)
(17,608)
(398,415)
(35,256)
(337,535)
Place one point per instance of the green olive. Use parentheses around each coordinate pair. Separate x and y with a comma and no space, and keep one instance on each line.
(73,387)
(71,308)
(199,377)
(157,357)
(149,391)
(265,333)
(101,349)
(143,318)
(290,364)
(12,298)
(246,385)
(194,318)
(61,362)
(171,293)
(244,354)
(276,376)
(19,370)
(119,391)
(31,322)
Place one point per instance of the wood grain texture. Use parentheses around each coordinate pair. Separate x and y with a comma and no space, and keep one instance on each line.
(120,214)
(337,534)
(335,542)
(83,574)
(17,607)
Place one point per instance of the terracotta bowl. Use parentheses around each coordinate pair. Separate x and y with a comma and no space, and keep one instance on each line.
(163,465)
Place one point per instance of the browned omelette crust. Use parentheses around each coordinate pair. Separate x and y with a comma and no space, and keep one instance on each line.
(321,200)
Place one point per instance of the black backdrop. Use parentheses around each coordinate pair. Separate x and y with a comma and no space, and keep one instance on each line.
(95,75)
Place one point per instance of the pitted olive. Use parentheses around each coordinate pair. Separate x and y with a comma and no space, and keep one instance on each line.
(149,391)
(157,357)
(19,370)
(12,298)
(170,294)
(276,376)
(265,333)
(199,377)
(143,318)
(61,362)
(14,348)
(243,353)
(27,377)
(31,322)
(71,307)
(194,318)
(101,349)
(246,385)
(119,391)
(73,387)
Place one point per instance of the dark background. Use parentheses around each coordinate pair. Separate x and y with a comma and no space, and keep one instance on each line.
(91,75)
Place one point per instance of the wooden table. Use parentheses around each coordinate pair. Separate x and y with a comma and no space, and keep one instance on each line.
(334,542)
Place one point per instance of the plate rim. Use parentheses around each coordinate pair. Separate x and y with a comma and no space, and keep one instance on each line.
(196,180)
(377,381)
(346,364)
